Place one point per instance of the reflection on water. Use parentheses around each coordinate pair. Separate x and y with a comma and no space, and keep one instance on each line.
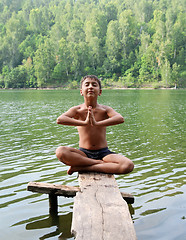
(153,136)
(62,223)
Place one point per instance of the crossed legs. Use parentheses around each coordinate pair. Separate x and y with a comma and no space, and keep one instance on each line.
(79,162)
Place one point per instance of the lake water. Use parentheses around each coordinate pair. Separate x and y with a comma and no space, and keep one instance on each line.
(153,136)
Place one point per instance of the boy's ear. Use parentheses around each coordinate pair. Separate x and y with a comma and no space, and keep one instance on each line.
(100,92)
(81,92)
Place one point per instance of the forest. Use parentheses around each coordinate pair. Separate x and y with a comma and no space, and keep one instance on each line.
(126,43)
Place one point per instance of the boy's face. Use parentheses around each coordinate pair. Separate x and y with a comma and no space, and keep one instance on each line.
(90,88)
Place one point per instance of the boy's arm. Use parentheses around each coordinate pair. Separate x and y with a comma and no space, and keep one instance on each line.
(68,118)
(114,118)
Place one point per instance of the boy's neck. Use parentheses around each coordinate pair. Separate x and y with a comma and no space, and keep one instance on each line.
(90,102)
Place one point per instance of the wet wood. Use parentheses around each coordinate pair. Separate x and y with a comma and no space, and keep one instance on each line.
(56,189)
(66,191)
(53,205)
(99,210)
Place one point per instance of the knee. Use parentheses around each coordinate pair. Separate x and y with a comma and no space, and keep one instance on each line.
(127,167)
(130,166)
(61,152)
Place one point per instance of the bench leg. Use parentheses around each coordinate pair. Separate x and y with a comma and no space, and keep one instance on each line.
(53,205)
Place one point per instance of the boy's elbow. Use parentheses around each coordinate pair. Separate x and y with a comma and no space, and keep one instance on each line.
(62,120)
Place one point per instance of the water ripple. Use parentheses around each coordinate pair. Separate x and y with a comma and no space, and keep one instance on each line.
(153,137)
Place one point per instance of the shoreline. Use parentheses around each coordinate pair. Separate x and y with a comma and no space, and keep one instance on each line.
(104,88)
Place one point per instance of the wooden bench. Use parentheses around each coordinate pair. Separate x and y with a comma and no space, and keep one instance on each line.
(99,210)
(53,190)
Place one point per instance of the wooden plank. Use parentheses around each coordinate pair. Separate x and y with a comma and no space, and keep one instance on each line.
(57,189)
(99,211)
(66,191)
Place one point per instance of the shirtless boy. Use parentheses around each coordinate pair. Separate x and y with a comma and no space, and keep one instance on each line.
(91,120)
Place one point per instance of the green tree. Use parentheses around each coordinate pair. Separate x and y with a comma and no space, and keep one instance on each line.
(63,62)
(95,31)
(30,78)
(113,47)
(44,62)
(28,46)
(175,76)
(15,33)
(129,32)
(166,73)
(144,10)
(16,78)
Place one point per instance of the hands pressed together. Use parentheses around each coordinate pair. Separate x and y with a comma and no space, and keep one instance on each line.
(90,119)
(68,118)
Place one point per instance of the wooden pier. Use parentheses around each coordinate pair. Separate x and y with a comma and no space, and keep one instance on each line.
(99,210)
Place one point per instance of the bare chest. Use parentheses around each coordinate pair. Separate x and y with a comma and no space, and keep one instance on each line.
(99,114)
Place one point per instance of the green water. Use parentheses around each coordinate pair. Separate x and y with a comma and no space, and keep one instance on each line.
(153,136)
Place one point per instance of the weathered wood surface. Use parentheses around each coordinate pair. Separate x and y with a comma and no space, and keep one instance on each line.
(99,211)
(56,189)
(53,190)
(66,191)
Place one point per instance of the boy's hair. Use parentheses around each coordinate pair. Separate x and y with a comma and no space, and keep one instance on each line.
(92,77)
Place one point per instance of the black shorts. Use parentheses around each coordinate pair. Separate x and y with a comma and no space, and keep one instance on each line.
(97,154)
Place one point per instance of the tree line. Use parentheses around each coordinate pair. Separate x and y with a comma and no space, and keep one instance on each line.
(127,43)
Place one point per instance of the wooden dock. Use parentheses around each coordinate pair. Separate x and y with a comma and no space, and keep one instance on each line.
(99,210)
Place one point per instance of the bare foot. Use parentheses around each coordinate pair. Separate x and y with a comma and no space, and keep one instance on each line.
(71,170)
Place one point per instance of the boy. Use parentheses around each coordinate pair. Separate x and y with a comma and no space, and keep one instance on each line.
(91,120)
